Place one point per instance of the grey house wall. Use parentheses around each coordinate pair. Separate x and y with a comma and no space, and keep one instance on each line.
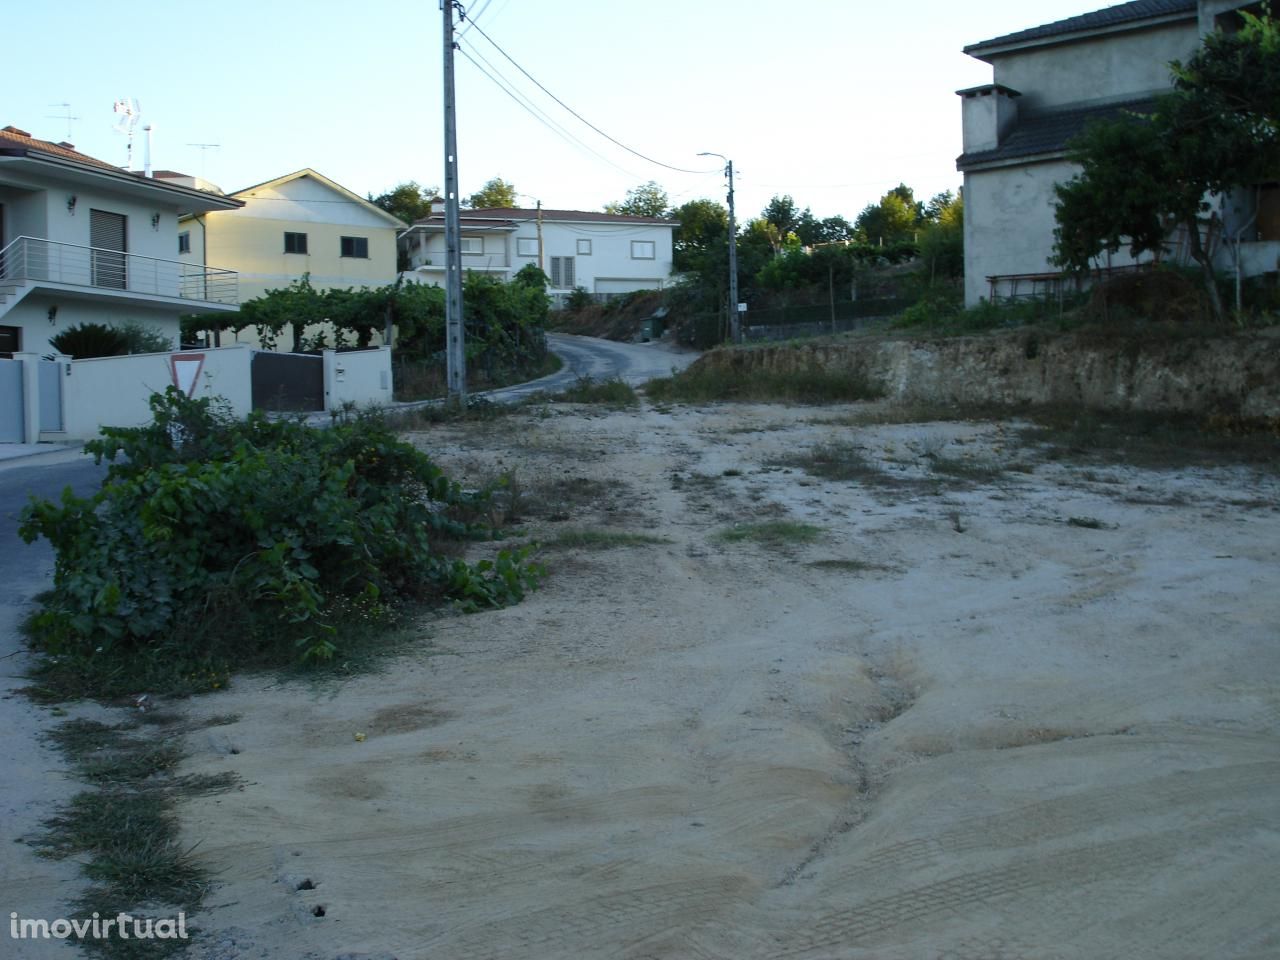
(1112,67)
(1009,201)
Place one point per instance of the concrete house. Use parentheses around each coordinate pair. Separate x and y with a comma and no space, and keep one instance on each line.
(301,223)
(1049,82)
(607,254)
(82,241)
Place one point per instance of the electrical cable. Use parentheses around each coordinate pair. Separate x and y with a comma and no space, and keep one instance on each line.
(475,16)
(613,140)
(539,116)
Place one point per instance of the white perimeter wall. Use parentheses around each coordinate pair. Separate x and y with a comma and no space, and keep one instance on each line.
(116,391)
(362,377)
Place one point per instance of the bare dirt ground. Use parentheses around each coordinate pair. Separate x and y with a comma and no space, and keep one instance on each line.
(1021,708)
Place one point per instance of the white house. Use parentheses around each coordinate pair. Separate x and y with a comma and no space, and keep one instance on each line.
(1049,82)
(84,241)
(606,254)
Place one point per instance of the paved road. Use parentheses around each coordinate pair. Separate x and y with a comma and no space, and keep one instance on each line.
(599,359)
(33,782)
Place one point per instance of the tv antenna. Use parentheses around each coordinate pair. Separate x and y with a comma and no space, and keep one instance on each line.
(204,148)
(127,115)
(63,116)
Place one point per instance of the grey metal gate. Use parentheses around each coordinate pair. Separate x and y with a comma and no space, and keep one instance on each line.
(12,412)
(287,382)
(50,381)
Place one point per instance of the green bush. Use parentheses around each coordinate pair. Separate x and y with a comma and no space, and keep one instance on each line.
(941,311)
(215,542)
(90,340)
(579,299)
(143,339)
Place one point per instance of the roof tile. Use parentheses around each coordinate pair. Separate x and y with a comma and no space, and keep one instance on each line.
(1098,19)
(13,138)
(1051,132)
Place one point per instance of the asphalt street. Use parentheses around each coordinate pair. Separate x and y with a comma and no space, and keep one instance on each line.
(598,359)
(33,782)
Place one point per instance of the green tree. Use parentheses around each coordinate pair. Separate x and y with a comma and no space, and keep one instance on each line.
(495,193)
(938,206)
(942,237)
(782,214)
(646,200)
(702,234)
(893,220)
(1143,175)
(812,231)
(409,201)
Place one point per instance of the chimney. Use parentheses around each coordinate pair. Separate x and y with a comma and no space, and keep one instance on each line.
(988,113)
(66,146)
(437,206)
(146,151)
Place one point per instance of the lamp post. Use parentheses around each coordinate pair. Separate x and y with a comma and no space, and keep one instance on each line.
(735,333)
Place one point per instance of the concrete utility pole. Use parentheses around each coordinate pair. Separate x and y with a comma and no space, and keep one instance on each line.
(540,266)
(455,333)
(735,331)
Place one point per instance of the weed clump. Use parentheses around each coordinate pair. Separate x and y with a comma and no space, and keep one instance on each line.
(614,392)
(775,534)
(705,383)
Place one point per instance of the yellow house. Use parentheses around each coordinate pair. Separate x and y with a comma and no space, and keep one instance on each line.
(299,224)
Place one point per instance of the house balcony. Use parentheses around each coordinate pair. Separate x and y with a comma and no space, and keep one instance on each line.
(92,273)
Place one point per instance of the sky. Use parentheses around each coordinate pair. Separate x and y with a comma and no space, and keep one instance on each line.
(833,102)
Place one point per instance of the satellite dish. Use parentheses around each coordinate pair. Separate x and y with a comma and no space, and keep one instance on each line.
(127,115)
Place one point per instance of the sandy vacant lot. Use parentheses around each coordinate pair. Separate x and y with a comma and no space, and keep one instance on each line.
(1003,706)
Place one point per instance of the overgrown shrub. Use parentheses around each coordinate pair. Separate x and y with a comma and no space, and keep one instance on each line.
(941,311)
(215,542)
(704,382)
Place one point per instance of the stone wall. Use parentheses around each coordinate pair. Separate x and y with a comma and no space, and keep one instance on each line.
(1227,374)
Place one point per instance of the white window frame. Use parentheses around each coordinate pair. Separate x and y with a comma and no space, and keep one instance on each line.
(471,246)
(526,246)
(584,248)
(652,246)
(562,278)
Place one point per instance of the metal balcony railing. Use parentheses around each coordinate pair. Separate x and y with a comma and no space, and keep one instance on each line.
(33,259)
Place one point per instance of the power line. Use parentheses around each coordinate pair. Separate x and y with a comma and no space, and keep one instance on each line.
(471,17)
(657,163)
(534,112)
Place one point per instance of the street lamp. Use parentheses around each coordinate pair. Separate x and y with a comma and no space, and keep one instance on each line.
(735,334)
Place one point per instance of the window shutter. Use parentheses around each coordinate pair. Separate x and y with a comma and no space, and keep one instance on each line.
(107,237)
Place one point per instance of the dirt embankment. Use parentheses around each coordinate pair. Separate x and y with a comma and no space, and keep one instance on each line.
(1232,375)
(612,321)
